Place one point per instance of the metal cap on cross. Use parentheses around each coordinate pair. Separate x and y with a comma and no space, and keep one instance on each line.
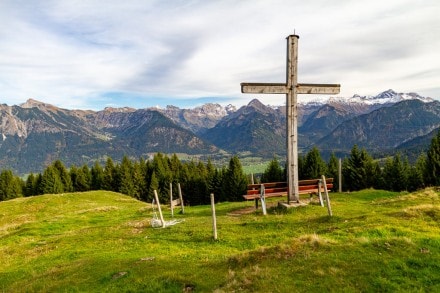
(291,88)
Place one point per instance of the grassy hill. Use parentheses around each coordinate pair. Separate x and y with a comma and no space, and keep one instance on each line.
(102,241)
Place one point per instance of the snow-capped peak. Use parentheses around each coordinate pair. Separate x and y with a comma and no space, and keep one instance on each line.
(386,97)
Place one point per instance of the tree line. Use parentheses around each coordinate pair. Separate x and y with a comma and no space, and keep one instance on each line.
(198,179)
(134,178)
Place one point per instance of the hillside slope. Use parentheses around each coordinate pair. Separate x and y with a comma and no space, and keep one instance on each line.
(102,242)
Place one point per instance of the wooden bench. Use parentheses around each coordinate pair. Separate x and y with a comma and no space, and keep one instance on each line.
(277,189)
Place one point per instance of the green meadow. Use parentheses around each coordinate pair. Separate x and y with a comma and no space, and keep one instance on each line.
(376,241)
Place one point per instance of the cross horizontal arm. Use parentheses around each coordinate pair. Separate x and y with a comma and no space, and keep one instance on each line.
(281,88)
(263,88)
(325,89)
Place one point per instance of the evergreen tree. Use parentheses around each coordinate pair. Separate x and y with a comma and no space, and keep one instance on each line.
(388,174)
(10,186)
(140,183)
(332,170)
(81,178)
(30,185)
(234,181)
(273,172)
(415,178)
(175,168)
(421,168)
(314,165)
(64,176)
(51,181)
(359,170)
(378,182)
(39,184)
(97,176)
(395,174)
(216,183)
(433,162)
(154,185)
(163,175)
(301,168)
(110,180)
(126,172)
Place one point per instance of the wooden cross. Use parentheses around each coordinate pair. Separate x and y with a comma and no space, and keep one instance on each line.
(291,89)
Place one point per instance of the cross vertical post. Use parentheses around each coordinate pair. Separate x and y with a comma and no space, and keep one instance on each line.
(291,89)
(292,118)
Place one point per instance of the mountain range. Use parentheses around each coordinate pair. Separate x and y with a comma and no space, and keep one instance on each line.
(34,134)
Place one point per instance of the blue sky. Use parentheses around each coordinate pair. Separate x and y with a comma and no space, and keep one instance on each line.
(93,54)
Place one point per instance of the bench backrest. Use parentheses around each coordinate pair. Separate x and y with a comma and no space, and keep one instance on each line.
(274,187)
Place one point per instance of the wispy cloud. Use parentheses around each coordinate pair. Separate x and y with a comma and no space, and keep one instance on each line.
(92,54)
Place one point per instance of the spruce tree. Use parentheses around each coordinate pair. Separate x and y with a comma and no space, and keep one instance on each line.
(314,165)
(153,185)
(234,181)
(10,186)
(140,184)
(332,170)
(51,181)
(126,172)
(30,185)
(273,172)
(64,176)
(97,176)
(360,171)
(433,161)
(109,180)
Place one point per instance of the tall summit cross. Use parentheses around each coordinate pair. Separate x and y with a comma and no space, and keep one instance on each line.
(291,89)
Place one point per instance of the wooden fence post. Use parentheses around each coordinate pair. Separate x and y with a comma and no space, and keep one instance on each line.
(321,202)
(340,175)
(171,200)
(156,198)
(327,198)
(181,198)
(214,220)
(263,199)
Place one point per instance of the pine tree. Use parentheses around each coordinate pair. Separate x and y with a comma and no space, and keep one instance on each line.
(126,172)
(301,168)
(154,185)
(234,181)
(273,172)
(109,180)
(81,178)
(140,183)
(175,168)
(358,170)
(332,170)
(64,176)
(30,185)
(10,186)
(97,176)
(396,173)
(433,161)
(51,181)
(314,165)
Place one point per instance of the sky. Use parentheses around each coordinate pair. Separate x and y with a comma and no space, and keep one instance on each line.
(93,54)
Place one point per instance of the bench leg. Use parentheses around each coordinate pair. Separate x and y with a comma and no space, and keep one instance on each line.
(256,203)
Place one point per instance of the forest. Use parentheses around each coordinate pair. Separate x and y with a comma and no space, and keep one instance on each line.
(139,178)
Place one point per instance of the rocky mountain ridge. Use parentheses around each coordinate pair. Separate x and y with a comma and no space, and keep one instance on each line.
(34,133)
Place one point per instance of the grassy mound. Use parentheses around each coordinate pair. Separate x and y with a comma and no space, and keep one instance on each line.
(102,241)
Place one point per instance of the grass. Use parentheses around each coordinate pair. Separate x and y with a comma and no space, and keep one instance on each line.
(102,241)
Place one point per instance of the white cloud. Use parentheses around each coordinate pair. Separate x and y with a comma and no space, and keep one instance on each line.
(79,54)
